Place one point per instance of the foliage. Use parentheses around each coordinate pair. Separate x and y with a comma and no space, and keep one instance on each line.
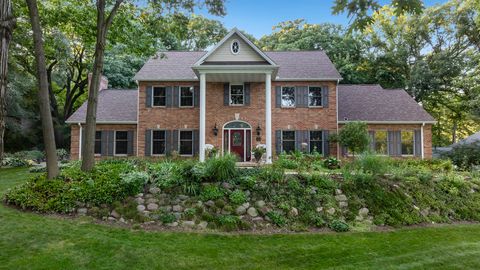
(339,226)
(277,218)
(14,162)
(211,192)
(371,163)
(237,197)
(331,163)
(222,168)
(354,136)
(465,156)
(258,152)
(134,181)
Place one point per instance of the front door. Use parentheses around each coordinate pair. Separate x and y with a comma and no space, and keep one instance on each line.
(237,143)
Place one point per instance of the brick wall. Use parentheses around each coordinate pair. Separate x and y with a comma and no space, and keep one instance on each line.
(75,133)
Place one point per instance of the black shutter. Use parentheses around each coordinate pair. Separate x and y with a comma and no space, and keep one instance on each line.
(298,140)
(278,141)
(325,97)
(247,93)
(175,145)
(168,141)
(174,97)
(104,143)
(130,142)
(278,96)
(110,140)
(196,96)
(196,142)
(300,95)
(148,100)
(326,143)
(306,139)
(398,143)
(391,143)
(148,142)
(372,140)
(226,94)
(418,143)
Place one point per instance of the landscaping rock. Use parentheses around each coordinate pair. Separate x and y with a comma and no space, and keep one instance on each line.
(188,224)
(152,200)
(177,215)
(257,219)
(82,211)
(139,195)
(139,200)
(199,204)
(246,205)
(173,224)
(240,210)
(341,198)
(260,204)
(331,211)
(112,219)
(115,214)
(363,212)
(123,220)
(227,185)
(154,190)
(202,225)
(183,197)
(177,208)
(343,204)
(338,191)
(152,206)
(210,203)
(293,212)
(264,210)
(140,208)
(319,209)
(252,212)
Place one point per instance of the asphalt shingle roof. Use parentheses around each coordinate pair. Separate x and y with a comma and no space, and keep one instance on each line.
(373,103)
(177,65)
(114,106)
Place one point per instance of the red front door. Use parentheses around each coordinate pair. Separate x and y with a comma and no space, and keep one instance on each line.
(237,143)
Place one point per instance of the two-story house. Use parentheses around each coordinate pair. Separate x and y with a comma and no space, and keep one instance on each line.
(236,96)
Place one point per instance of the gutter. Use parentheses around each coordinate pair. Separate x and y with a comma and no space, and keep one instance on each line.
(336,105)
(389,122)
(105,122)
(80,142)
(421,141)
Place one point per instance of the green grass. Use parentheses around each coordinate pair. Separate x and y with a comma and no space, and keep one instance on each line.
(32,241)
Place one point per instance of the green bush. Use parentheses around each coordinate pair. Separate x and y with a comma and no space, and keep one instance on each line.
(212,192)
(14,162)
(222,168)
(354,136)
(237,197)
(331,163)
(277,218)
(465,156)
(134,181)
(167,218)
(339,226)
(371,163)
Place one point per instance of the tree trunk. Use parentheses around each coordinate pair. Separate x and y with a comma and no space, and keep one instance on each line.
(7,23)
(103,23)
(43,94)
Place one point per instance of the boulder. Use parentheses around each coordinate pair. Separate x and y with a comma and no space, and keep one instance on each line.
(319,209)
(202,225)
(246,205)
(257,219)
(260,204)
(152,206)
(341,198)
(152,200)
(154,190)
(139,200)
(293,212)
(115,214)
(363,212)
(338,191)
(188,224)
(139,195)
(182,197)
(252,212)
(240,210)
(140,208)
(177,208)
(111,219)
(227,185)
(82,211)
(210,203)
(343,204)
(123,220)
(173,224)
(331,211)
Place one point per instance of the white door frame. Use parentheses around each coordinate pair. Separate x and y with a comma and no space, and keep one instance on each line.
(244,137)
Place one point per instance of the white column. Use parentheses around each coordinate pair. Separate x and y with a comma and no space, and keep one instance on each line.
(421,143)
(202,117)
(268,115)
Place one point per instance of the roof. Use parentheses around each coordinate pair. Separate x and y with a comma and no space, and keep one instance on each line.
(372,103)
(475,137)
(293,65)
(114,106)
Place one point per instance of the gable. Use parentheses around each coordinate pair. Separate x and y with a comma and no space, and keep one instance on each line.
(224,53)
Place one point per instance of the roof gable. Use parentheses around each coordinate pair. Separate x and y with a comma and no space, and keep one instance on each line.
(222,53)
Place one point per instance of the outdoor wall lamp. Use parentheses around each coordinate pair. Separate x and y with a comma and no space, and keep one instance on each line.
(259,129)
(215,130)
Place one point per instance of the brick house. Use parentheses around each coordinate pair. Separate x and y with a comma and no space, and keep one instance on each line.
(236,96)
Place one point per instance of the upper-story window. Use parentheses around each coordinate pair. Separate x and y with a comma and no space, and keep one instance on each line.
(408,142)
(288,96)
(235,47)
(159,96)
(186,96)
(237,94)
(314,96)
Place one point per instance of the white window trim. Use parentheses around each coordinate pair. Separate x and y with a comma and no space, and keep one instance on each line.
(413,141)
(180,96)
(388,142)
(231,46)
(115,144)
(230,94)
(294,97)
(151,143)
(153,91)
(294,139)
(308,97)
(179,140)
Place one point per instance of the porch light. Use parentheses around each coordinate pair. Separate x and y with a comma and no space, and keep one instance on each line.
(215,130)
(259,129)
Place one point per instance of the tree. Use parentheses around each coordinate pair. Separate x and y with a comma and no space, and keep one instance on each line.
(354,136)
(43,95)
(7,23)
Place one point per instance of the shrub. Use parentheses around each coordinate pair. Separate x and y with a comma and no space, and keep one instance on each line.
(164,174)
(237,197)
(134,181)
(271,174)
(222,168)
(331,163)
(371,163)
(62,154)
(228,222)
(211,192)
(167,218)
(277,218)
(285,162)
(339,226)
(354,136)
(14,162)
(465,156)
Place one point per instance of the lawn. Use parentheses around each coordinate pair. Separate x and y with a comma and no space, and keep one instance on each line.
(31,241)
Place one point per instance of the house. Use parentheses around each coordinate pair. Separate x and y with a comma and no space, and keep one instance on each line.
(236,96)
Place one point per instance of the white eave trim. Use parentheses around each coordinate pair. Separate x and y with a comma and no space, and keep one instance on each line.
(307,79)
(388,122)
(105,122)
(168,80)
(242,36)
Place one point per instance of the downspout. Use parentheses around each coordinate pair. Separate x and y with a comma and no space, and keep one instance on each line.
(421,142)
(80,142)
(138,122)
(336,108)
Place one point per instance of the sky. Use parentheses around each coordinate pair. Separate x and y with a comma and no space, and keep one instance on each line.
(257,17)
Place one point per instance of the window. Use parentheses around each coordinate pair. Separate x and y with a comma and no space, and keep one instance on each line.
(186,96)
(288,141)
(98,143)
(407,143)
(236,94)
(121,143)
(158,142)
(314,96)
(316,141)
(381,142)
(288,96)
(159,96)
(235,47)
(186,142)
